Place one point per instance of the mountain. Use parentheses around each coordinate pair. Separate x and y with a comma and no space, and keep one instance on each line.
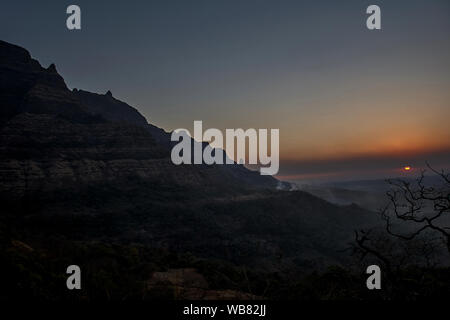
(55,141)
(117,111)
(84,176)
(51,134)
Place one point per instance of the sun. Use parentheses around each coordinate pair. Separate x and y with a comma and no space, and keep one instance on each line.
(407,168)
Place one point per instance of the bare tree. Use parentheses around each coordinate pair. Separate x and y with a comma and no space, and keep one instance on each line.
(416,214)
(422,205)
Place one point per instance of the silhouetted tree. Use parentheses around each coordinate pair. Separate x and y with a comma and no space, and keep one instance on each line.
(416,214)
(423,205)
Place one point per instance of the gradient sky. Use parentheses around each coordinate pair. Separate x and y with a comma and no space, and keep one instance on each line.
(349,102)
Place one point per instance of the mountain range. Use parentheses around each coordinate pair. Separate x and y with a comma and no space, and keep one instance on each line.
(81,167)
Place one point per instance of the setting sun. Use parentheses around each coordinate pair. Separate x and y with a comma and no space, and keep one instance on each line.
(407,168)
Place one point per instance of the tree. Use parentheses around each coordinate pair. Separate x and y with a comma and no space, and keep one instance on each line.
(420,204)
(418,214)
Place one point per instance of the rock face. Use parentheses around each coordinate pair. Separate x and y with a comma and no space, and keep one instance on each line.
(109,107)
(50,136)
(25,86)
(87,167)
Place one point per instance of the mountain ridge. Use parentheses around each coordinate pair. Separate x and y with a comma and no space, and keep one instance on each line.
(28,88)
(70,168)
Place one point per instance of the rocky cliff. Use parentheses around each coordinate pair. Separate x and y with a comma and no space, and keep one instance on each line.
(85,178)
(51,136)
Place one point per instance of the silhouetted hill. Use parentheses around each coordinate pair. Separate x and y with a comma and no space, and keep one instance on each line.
(80,168)
(117,111)
(50,134)
(101,151)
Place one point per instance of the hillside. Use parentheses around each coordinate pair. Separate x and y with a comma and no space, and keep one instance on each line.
(83,171)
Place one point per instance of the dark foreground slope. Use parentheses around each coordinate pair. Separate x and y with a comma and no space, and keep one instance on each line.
(84,179)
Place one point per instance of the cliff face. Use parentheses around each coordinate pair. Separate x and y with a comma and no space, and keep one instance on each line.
(87,167)
(117,111)
(51,136)
(110,108)
(25,86)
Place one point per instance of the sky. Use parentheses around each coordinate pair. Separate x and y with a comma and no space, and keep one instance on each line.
(350,103)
